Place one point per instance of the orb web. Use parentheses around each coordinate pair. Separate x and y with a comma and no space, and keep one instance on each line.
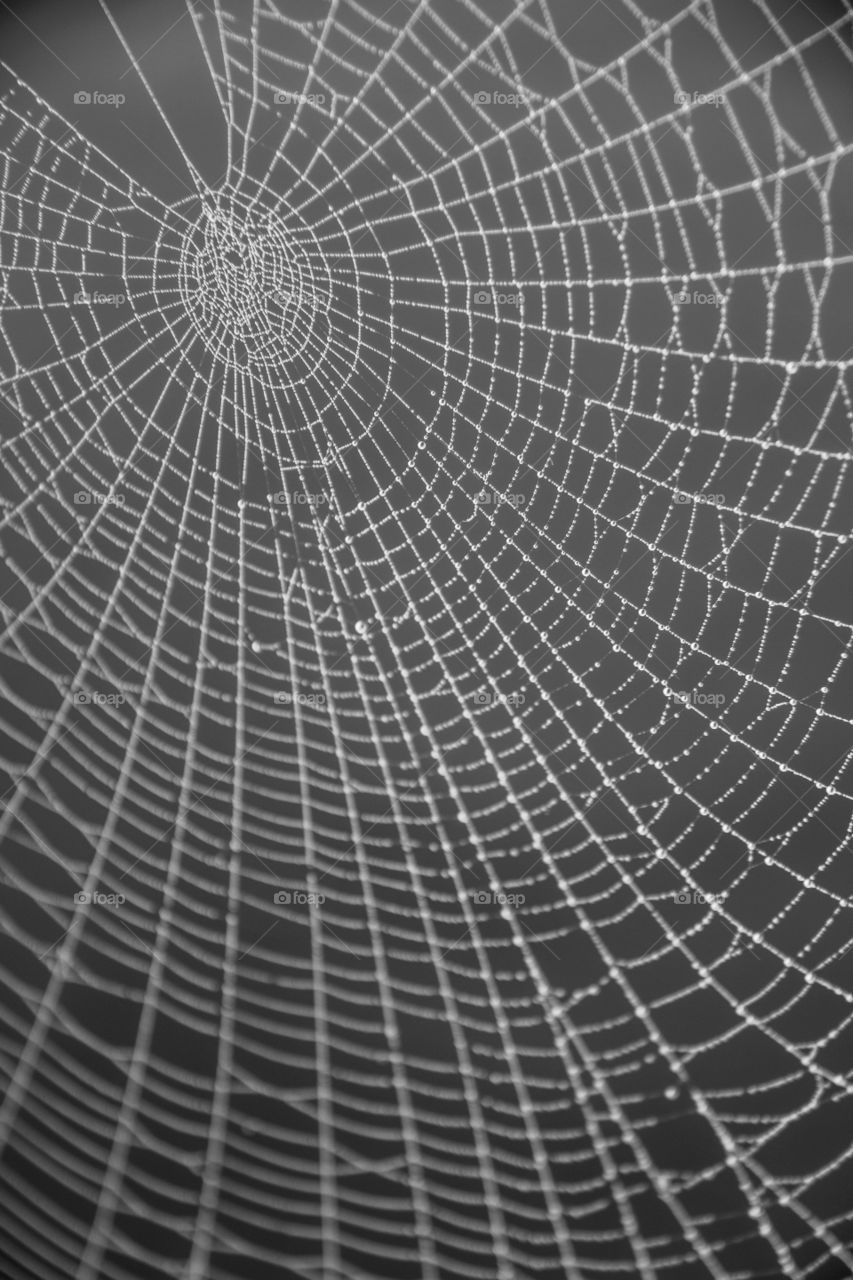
(254,295)
(427,654)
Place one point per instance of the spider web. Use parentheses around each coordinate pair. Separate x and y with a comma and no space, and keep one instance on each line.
(427,654)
